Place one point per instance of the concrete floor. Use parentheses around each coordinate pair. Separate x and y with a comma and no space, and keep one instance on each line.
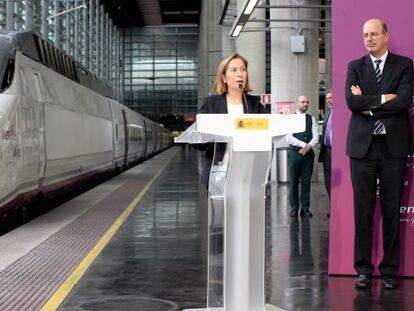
(158,259)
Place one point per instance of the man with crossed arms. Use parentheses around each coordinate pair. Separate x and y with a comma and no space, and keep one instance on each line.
(379,94)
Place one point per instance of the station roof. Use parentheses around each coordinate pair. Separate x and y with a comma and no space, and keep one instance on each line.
(139,13)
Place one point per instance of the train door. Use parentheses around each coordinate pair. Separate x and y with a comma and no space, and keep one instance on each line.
(32,142)
(126,137)
(144,123)
(41,107)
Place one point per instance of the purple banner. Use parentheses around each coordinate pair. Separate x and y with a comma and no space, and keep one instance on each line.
(348,18)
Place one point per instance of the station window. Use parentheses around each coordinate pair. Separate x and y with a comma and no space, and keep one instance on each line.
(155,67)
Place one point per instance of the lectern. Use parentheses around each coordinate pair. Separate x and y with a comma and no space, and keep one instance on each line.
(236,203)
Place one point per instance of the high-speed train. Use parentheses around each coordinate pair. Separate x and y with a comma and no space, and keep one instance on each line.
(59,124)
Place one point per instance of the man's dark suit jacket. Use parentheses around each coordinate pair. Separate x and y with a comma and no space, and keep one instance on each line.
(396,78)
(218,104)
(322,137)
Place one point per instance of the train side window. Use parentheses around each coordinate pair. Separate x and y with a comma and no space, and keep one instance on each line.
(37,86)
(67,68)
(75,77)
(83,71)
(64,67)
(51,57)
(71,69)
(116,131)
(46,53)
(8,75)
(61,68)
(39,48)
(63,60)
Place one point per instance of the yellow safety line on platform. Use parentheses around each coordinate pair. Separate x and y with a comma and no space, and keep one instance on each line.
(54,302)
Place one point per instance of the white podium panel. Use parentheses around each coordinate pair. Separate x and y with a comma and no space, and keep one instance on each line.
(250,132)
(236,204)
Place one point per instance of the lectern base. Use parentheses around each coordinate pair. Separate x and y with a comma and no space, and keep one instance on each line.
(265,308)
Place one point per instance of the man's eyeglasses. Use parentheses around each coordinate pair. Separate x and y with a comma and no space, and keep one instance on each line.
(371,34)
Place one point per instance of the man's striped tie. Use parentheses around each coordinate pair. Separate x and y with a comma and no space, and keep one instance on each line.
(379,127)
(377,70)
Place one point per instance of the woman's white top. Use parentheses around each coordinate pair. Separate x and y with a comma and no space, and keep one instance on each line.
(235,109)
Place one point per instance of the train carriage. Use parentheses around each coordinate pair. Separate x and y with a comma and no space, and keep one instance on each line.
(59,124)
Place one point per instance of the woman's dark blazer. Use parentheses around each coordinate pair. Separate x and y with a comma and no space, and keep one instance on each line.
(218,104)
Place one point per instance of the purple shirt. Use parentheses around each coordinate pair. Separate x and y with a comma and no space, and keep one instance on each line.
(327,140)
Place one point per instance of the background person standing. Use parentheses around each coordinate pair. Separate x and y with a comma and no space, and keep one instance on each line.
(325,155)
(300,158)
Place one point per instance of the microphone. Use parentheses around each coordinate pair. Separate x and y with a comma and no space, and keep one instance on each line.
(244,99)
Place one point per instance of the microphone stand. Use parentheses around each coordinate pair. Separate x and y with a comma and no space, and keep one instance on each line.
(244,98)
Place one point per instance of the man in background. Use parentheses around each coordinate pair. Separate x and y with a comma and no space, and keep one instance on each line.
(300,159)
(325,155)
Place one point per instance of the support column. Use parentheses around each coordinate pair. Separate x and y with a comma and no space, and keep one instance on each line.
(92,35)
(116,76)
(210,52)
(10,15)
(106,60)
(294,74)
(97,39)
(227,44)
(67,31)
(121,57)
(58,25)
(86,36)
(28,23)
(110,56)
(76,37)
(251,43)
(102,45)
(202,53)
(45,25)
(37,16)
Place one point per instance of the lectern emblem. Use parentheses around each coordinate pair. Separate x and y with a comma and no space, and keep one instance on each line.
(252,124)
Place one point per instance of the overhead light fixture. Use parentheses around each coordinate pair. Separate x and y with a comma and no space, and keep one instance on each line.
(237,31)
(250,7)
(243,17)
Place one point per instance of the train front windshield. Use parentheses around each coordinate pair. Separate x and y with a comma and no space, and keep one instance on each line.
(6,62)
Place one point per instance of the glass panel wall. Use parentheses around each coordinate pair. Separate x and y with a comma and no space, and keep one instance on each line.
(2,15)
(161,70)
(74,27)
